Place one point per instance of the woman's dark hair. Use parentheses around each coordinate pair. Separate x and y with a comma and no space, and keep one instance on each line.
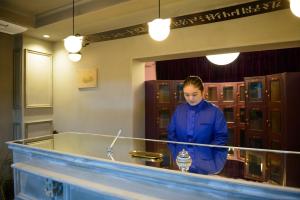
(195,81)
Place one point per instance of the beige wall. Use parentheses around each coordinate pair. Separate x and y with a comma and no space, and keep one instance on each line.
(118,102)
(6,92)
(35,114)
(104,109)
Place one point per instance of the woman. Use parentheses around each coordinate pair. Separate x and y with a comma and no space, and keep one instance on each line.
(198,121)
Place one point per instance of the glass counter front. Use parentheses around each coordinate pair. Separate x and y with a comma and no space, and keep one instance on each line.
(98,158)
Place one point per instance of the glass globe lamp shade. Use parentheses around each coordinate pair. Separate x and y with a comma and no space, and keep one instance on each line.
(73,43)
(295,7)
(222,59)
(75,57)
(159,29)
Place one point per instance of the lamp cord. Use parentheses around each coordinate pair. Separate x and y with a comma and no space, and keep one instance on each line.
(73,17)
(158,8)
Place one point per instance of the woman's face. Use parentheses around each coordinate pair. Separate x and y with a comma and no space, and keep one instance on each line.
(192,95)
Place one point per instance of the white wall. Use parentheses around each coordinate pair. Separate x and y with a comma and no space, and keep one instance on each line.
(118,102)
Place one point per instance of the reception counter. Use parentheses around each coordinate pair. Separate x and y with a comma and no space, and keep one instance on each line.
(92,166)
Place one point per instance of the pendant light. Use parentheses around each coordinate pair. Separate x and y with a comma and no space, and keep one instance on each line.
(295,7)
(75,57)
(73,43)
(159,29)
(223,59)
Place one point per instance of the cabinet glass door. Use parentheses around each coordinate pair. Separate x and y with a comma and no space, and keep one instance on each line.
(164,93)
(256,119)
(163,118)
(275,121)
(212,94)
(255,168)
(242,138)
(179,92)
(275,168)
(255,142)
(255,91)
(228,93)
(255,164)
(275,144)
(229,114)
(275,90)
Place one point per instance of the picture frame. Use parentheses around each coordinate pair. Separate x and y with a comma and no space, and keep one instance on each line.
(38,79)
(87,78)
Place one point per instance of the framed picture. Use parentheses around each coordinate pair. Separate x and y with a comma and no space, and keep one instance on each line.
(87,78)
(38,79)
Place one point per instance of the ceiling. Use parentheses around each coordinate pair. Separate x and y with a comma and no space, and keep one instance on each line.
(54,17)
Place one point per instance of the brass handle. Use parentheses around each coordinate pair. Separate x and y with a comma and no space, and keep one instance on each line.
(267,93)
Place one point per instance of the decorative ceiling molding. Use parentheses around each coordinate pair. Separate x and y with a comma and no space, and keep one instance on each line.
(206,17)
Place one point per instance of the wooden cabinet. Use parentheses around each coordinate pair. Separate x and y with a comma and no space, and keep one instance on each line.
(162,97)
(256,111)
(261,112)
(256,137)
(272,123)
(230,98)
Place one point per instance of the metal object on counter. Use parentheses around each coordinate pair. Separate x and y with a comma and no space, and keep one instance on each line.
(183,160)
(148,156)
(109,150)
(145,154)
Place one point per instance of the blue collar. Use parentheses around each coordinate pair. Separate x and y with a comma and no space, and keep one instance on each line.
(197,106)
